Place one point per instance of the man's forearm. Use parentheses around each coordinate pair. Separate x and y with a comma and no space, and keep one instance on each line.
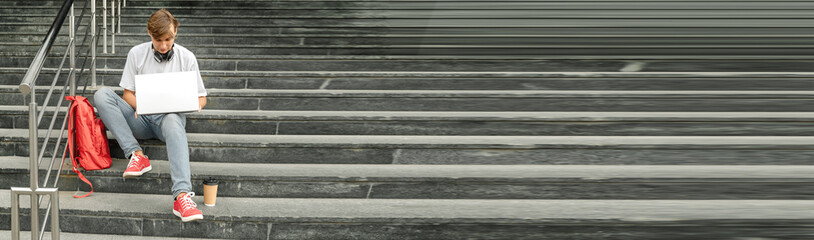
(130,98)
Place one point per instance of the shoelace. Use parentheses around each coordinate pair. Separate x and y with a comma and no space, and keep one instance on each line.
(186,201)
(134,161)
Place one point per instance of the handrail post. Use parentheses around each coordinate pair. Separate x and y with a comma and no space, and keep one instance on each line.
(54,192)
(15,213)
(104,26)
(113,27)
(33,178)
(72,36)
(119,30)
(34,169)
(93,43)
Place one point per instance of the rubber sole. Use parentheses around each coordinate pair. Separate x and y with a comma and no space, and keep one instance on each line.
(187,219)
(136,174)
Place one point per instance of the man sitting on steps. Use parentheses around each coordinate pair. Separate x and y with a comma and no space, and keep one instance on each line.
(161,55)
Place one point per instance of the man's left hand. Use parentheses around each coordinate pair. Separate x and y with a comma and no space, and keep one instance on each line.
(201,103)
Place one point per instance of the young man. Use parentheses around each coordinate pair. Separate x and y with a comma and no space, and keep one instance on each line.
(161,55)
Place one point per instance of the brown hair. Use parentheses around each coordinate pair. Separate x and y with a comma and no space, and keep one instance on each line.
(160,23)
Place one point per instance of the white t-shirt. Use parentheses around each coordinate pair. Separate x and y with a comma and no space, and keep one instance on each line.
(140,60)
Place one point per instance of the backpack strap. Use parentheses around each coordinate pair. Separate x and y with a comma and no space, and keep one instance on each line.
(71,147)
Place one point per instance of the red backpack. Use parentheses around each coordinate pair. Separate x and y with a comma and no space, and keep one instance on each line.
(86,138)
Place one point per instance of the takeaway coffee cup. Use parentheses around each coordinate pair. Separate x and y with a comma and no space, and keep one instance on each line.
(210,191)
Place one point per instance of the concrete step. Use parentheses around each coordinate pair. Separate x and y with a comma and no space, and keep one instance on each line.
(476,123)
(497,123)
(136,6)
(428,41)
(281,11)
(181,5)
(453,66)
(236,62)
(221,28)
(489,49)
(482,63)
(26,235)
(533,51)
(427,100)
(642,20)
(488,100)
(587,31)
(441,15)
(451,181)
(267,218)
(544,33)
(486,150)
(463,182)
(428,11)
(296,49)
(270,80)
(501,150)
(460,80)
(33,3)
(259,8)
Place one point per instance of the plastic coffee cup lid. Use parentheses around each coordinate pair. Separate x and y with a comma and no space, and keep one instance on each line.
(210,181)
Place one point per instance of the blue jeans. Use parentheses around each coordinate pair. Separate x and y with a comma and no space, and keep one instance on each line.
(119,118)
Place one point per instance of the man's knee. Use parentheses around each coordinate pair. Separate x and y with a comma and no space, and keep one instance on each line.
(173,120)
(173,127)
(103,95)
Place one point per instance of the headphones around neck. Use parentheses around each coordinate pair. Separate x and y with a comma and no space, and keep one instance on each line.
(162,57)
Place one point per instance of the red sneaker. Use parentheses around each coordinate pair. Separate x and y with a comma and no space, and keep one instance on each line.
(138,165)
(186,209)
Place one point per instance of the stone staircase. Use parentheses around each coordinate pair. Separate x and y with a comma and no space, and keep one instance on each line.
(459,119)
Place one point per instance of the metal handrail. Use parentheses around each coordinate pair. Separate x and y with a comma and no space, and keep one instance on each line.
(28,86)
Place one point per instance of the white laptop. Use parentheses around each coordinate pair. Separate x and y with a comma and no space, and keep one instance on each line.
(167,92)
